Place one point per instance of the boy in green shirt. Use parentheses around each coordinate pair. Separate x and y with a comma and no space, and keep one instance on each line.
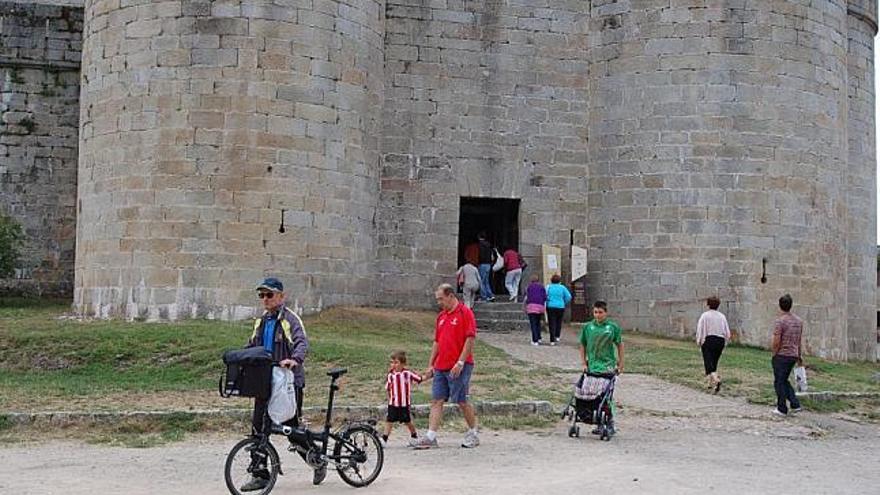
(598,340)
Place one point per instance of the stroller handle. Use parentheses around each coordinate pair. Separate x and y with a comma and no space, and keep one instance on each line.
(603,375)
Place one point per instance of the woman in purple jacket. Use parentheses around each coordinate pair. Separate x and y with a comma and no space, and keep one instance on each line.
(536,296)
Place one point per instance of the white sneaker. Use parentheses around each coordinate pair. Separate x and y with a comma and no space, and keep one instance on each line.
(535,344)
(470,440)
(777,412)
(423,443)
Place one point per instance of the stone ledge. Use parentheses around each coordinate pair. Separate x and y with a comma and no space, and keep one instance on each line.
(828,395)
(60,418)
(49,65)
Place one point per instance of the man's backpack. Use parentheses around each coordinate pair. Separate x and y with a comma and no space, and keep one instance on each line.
(248,373)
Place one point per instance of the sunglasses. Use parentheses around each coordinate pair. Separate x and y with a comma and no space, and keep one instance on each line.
(265,295)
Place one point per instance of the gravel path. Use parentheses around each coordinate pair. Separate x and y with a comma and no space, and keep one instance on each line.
(672,440)
(646,395)
(651,455)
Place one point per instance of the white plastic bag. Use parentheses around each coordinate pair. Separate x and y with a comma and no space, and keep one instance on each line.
(282,404)
(800,378)
(499,262)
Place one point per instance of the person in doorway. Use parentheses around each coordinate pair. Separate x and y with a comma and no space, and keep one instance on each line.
(513,272)
(536,298)
(282,333)
(712,335)
(786,346)
(558,297)
(470,281)
(487,257)
(451,365)
(472,253)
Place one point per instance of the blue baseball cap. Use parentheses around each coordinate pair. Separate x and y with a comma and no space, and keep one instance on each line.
(272,284)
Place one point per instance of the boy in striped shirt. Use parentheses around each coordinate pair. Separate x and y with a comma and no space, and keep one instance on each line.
(399,388)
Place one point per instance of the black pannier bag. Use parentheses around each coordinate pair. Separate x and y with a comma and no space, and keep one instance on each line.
(248,373)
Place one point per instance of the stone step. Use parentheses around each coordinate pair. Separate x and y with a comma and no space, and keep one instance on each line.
(503,314)
(503,326)
(499,305)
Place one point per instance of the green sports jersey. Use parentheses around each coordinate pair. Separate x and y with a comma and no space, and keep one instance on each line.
(600,342)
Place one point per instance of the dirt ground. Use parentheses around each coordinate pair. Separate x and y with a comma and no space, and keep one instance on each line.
(651,455)
(672,440)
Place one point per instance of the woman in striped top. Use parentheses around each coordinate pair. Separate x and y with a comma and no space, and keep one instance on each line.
(398,385)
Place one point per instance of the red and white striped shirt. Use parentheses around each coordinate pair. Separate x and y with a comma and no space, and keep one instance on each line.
(399,387)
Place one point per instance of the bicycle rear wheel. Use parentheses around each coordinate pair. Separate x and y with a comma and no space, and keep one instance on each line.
(250,463)
(359,455)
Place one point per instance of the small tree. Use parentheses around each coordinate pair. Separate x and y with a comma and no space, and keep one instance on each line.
(11,238)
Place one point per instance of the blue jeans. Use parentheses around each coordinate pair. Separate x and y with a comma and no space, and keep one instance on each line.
(485,281)
(535,324)
(782,366)
(447,388)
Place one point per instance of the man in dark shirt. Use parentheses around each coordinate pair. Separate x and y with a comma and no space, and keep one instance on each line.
(485,267)
(786,348)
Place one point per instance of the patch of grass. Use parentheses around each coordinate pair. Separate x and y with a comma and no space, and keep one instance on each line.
(15,76)
(152,432)
(5,423)
(29,125)
(746,370)
(828,406)
(114,364)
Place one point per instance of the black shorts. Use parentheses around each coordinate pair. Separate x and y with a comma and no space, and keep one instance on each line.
(398,414)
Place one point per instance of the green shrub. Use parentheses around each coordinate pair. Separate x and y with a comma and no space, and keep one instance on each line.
(11,238)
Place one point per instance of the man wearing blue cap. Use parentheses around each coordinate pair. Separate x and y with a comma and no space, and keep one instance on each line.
(281,332)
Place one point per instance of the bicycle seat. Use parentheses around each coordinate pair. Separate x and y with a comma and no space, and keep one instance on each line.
(337,372)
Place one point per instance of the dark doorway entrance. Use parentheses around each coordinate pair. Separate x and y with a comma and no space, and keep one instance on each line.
(498,218)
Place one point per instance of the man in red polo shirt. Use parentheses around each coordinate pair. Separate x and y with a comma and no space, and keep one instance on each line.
(452,363)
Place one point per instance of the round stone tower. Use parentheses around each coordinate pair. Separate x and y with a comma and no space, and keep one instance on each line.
(221,142)
(861,178)
(731,153)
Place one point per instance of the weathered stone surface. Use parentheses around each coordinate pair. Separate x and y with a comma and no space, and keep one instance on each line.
(485,101)
(692,146)
(39,120)
(237,124)
(771,146)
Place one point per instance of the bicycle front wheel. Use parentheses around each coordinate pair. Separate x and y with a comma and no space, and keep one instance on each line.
(359,455)
(252,467)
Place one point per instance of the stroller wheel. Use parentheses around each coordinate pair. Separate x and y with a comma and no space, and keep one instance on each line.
(572,431)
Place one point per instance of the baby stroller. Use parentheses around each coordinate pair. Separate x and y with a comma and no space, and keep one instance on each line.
(591,404)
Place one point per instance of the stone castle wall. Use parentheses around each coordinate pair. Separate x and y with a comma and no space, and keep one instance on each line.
(695,147)
(861,178)
(222,141)
(719,151)
(39,120)
(483,99)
